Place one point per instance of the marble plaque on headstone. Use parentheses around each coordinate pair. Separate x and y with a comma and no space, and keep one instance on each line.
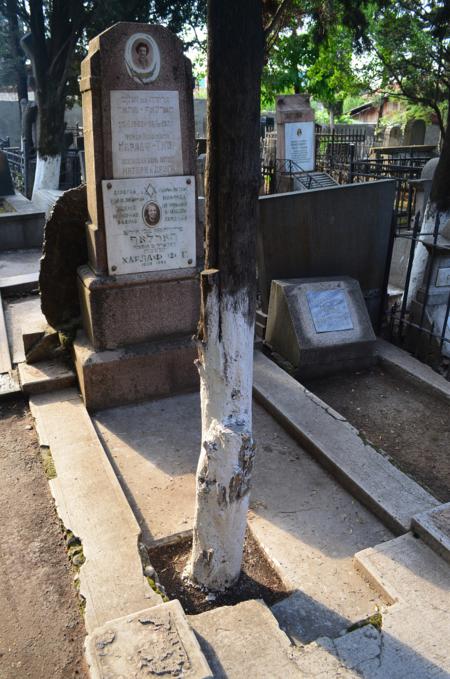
(329,310)
(299,144)
(443,277)
(150,224)
(146,133)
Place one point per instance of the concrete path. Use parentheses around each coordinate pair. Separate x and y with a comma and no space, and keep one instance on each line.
(91,504)
(309,526)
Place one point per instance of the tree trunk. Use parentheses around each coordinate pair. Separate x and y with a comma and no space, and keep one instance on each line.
(16,51)
(51,108)
(226,329)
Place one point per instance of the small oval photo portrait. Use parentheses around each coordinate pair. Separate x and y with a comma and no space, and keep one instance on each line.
(142,58)
(151,213)
(141,55)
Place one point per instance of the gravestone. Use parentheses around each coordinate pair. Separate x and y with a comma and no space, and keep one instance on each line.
(296,130)
(321,326)
(415,132)
(140,292)
(395,136)
(6,184)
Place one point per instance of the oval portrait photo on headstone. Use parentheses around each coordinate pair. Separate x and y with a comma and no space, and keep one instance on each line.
(142,58)
(151,213)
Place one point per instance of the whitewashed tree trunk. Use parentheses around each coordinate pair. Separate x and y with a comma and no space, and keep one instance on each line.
(226,329)
(47,172)
(224,470)
(421,253)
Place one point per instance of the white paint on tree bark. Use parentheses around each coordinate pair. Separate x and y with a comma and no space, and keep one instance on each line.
(224,470)
(421,253)
(47,172)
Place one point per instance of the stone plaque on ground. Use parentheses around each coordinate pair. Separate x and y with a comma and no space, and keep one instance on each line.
(320,326)
(156,642)
(150,225)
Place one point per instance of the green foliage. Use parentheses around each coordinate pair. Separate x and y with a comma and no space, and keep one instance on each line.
(301,63)
(410,53)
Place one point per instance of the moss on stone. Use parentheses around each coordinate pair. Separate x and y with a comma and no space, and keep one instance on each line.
(48,464)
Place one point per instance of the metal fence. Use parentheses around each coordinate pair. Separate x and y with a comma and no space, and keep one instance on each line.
(346,168)
(23,167)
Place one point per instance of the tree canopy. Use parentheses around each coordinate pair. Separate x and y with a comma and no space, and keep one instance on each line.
(409,53)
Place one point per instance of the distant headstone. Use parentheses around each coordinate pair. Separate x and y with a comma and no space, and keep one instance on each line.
(320,326)
(432,135)
(414,133)
(6,184)
(295,130)
(395,136)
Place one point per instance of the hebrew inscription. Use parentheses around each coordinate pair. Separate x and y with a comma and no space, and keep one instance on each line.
(146,133)
(150,224)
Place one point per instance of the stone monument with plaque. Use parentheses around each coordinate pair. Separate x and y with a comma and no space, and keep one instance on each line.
(139,292)
(321,326)
(296,130)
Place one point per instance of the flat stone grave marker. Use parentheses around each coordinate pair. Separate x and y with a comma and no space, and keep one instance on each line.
(320,326)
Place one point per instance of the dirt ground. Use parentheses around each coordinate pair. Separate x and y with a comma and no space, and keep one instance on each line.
(41,628)
(412,427)
(258,580)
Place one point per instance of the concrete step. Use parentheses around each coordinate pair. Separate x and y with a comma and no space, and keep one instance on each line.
(45,376)
(244,641)
(434,529)
(416,627)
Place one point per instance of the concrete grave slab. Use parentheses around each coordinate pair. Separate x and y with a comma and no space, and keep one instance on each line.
(244,640)
(91,503)
(387,491)
(308,525)
(15,265)
(155,642)
(21,316)
(320,325)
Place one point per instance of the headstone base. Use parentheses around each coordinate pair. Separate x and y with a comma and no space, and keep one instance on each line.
(134,308)
(321,326)
(134,373)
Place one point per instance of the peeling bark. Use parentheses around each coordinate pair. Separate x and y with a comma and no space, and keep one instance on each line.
(224,470)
